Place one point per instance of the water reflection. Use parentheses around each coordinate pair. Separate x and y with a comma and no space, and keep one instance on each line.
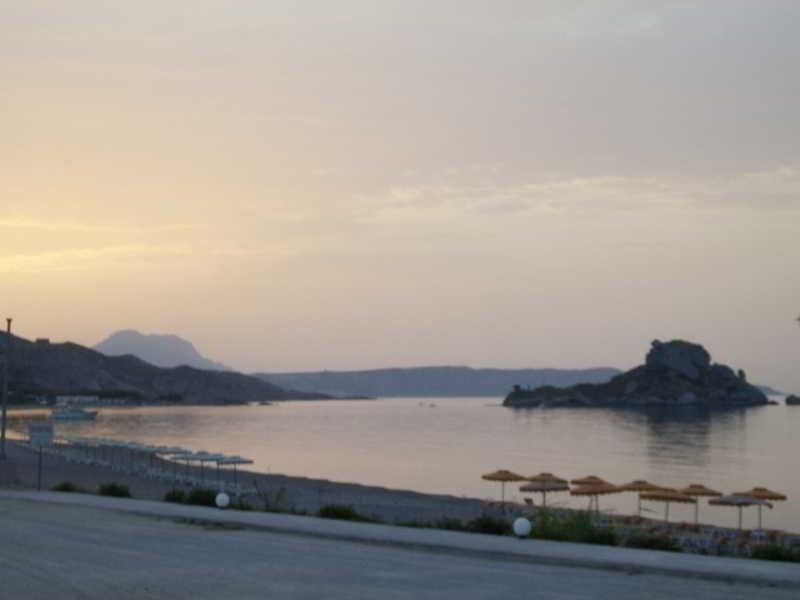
(405,443)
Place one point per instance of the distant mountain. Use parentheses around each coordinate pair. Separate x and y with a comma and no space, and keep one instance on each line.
(159,350)
(44,368)
(435,381)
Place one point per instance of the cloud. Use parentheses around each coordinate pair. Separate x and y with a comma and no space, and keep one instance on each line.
(76,227)
(82,259)
(775,189)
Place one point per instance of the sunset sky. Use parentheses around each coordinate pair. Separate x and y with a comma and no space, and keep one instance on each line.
(359,184)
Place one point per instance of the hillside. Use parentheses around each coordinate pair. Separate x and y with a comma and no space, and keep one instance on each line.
(435,381)
(159,350)
(39,368)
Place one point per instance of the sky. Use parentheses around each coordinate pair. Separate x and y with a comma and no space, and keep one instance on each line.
(360,184)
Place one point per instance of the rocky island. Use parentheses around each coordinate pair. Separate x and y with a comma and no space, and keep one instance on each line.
(676,373)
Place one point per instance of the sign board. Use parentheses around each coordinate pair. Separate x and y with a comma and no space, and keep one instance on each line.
(40,434)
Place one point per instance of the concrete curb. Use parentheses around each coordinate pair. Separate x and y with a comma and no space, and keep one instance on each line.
(485,547)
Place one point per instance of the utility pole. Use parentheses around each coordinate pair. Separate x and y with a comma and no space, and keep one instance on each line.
(5,390)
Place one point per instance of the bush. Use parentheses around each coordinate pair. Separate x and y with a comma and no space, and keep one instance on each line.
(490,525)
(178,496)
(415,524)
(202,497)
(653,542)
(775,552)
(66,486)
(450,524)
(574,527)
(241,504)
(343,513)
(117,490)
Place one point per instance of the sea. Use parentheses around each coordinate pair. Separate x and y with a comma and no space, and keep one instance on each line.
(444,445)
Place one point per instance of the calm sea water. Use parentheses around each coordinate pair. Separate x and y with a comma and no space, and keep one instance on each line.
(444,445)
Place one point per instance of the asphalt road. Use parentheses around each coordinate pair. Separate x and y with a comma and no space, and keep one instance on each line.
(65,552)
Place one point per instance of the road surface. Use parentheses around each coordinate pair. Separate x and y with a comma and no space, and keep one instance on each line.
(74,552)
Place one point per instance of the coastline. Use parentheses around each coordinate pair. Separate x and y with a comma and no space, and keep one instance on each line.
(306,496)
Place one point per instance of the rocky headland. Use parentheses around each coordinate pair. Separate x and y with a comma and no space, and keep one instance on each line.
(42,369)
(676,373)
(792,400)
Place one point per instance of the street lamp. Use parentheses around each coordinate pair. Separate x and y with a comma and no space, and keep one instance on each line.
(5,390)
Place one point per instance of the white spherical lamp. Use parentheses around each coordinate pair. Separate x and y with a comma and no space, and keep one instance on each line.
(522,527)
(223,500)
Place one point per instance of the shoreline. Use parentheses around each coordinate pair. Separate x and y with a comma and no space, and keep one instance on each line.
(306,496)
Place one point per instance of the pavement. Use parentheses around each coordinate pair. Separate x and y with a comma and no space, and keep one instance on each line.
(106,534)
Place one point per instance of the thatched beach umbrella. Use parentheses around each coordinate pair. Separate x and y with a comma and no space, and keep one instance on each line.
(503,476)
(543,483)
(639,486)
(589,480)
(667,496)
(696,491)
(234,461)
(594,491)
(740,501)
(762,493)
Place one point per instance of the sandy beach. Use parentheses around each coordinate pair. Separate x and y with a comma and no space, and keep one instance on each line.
(282,492)
(301,495)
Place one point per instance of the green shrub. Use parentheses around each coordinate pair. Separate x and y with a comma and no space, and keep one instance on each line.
(490,525)
(202,497)
(178,496)
(343,512)
(117,490)
(450,524)
(573,527)
(653,542)
(66,486)
(241,504)
(415,524)
(775,552)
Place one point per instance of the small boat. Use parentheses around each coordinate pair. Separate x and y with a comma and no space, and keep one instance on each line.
(73,414)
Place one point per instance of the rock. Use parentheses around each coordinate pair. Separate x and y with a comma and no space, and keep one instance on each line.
(675,373)
(792,400)
(689,360)
(721,376)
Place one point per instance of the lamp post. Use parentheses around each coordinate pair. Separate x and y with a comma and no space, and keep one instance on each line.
(5,390)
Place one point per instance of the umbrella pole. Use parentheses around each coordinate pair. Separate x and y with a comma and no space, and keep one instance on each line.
(503,495)
(666,512)
(544,499)
(740,517)
(759,516)
(639,507)
(235,480)
(696,512)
